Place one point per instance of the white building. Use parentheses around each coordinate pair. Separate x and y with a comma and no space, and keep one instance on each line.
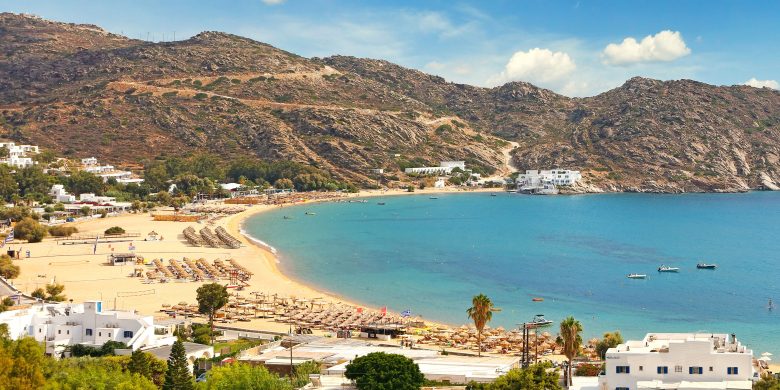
(18,154)
(91,165)
(444,168)
(60,195)
(679,361)
(58,325)
(558,177)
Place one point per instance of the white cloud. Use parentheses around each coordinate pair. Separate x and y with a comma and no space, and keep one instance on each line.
(541,66)
(435,66)
(665,46)
(273,2)
(753,82)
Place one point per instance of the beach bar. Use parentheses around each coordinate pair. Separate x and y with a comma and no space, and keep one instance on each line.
(121,258)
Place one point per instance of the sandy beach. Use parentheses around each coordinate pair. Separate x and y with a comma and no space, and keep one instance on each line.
(87,276)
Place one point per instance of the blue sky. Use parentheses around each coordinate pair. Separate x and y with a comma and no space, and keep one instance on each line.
(578,48)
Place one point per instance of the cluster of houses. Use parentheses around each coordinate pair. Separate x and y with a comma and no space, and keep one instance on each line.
(19,156)
(107,172)
(59,325)
(96,204)
(546,182)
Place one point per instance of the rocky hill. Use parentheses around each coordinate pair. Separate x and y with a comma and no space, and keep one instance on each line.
(83,91)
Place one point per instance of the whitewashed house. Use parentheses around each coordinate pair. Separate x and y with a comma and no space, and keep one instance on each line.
(60,195)
(444,168)
(58,325)
(679,361)
(107,172)
(560,177)
(18,155)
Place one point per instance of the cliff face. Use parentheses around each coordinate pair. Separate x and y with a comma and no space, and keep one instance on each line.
(82,91)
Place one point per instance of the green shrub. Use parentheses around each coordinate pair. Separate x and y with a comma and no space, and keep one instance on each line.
(201,96)
(62,231)
(114,230)
(30,230)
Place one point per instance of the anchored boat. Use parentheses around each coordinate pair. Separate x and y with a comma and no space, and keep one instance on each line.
(539,321)
(665,268)
(706,266)
(636,276)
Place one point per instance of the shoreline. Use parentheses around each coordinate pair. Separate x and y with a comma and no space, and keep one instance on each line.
(235,226)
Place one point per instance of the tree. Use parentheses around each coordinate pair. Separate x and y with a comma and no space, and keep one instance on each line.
(30,230)
(610,340)
(481,312)
(8,269)
(4,305)
(571,340)
(302,372)
(22,363)
(140,363)
(767,382)
(535,377)
(283,184)
(178,377)
(384,371)
(32,180)
(8,186)
(86,210)
(82,182)
(242,376)
(95,373)
(211,297)
(52,292)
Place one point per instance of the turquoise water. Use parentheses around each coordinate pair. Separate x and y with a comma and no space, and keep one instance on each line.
(432,256)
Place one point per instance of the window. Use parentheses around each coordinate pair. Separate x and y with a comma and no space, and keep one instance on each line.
(641,368)
(733,370)
(128,334)
(622,388)
(695,370)
(89,332)
(100,334)
(68,331)
(663,369)
(677,368)
(710,368)
(623,369)
(59,331)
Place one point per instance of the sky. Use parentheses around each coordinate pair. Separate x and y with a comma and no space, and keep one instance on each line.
(574,47)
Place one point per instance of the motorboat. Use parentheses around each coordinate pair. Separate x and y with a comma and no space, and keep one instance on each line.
(381,203)
(310,213)
(537,299)
(539,321)
(665,268)
(287,217)
(706,266)
(434,197)
(493,195)
(636,276)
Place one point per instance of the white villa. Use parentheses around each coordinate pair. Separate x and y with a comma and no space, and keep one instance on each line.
(444,168)
(58,325)
(537,178)
(60,195)
(91,165)
(679,361)
(18,154)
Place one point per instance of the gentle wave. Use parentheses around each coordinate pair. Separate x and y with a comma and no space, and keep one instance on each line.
(258,242)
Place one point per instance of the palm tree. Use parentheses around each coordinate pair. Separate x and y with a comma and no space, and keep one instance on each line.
(481,311)
(571,341)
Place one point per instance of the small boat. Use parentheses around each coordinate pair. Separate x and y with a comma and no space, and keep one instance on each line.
(537,299)
(665,268)
(636,276)
(433,197)
(493,195)
(287,217)
(381,203)
(771,305)
(539,321)
(706,266)
(310,213)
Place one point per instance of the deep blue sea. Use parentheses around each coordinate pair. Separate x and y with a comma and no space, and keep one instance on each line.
(433,255)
